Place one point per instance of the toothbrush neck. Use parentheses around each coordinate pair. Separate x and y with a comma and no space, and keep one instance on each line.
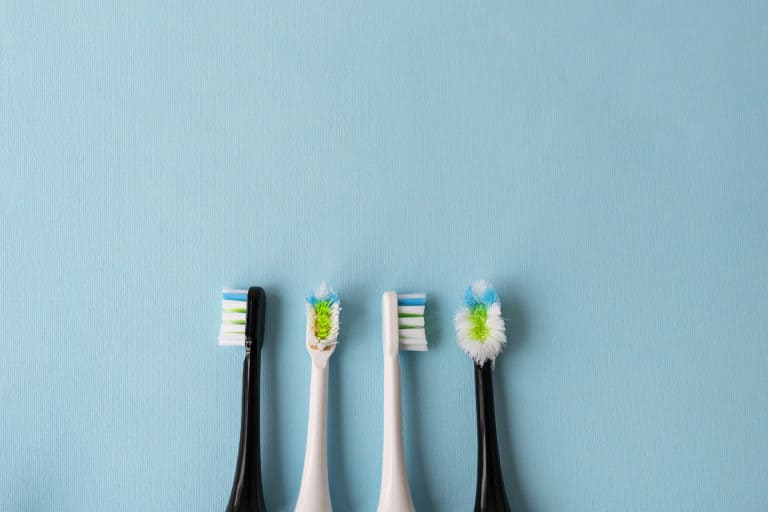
(395,492)
(394,447)
(490,496)
(247,494)
(314,491)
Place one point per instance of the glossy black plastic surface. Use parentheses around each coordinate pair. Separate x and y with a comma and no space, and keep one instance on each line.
(491,496)
(247,494)
(254,321)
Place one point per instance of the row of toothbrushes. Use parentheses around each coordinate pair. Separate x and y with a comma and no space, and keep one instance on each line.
(480,333)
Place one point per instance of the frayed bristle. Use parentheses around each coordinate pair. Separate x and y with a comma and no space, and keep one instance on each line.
(479,326)
(323,313)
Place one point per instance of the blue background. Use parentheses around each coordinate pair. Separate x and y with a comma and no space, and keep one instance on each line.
(603,163)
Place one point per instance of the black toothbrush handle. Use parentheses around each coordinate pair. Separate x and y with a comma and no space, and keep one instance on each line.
(247,494)
(490,496)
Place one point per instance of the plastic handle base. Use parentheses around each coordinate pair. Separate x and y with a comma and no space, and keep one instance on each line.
(314,493)
(247,494)
(490,495)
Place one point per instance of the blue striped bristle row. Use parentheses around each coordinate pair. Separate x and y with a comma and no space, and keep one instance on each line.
(410,313)
(234,311)
(234,295)
(412,299)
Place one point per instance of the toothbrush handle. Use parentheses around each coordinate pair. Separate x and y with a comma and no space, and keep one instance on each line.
(247,494)
(395,494)
(490,496)
(314,494)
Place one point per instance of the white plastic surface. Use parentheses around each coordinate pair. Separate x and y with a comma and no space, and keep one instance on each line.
(314,493)
(395,494)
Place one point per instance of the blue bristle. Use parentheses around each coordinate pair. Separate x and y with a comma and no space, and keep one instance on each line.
(488,298)
(469,298)
(412,301)
(234,296)
(331,298)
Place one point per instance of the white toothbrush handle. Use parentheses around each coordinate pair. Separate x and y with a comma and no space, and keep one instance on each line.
(314,494)
(395,494)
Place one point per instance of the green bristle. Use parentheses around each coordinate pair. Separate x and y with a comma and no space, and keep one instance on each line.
(479,317)
(323,313)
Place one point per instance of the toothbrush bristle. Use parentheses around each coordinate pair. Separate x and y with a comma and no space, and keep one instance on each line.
(479,324)
(410,321)
(234,310)
(323,311)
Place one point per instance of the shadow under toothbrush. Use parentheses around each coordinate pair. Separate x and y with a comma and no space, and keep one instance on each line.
(276,492)
(513,311)
(337,435)
(337,468)
(352,322)
(432,320)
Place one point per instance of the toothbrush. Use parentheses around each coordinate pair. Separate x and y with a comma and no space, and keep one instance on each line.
(402,329)
(480,333)
(242,324)
(323,307)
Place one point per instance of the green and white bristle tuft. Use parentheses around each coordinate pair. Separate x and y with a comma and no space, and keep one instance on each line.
(234,309)
(479,325)
(323,309)
(410,321)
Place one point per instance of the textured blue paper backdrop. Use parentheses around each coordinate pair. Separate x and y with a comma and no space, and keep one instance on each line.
(604,163)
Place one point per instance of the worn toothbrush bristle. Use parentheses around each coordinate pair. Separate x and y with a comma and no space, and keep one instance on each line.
(323,312)
(479,325)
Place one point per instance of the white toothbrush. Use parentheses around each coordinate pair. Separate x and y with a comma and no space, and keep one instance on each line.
(402,329)
(323,309)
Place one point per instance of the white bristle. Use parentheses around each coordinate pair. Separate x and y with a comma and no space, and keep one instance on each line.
(489,348)
(411,321)
(233,317)
(323,292)
(230,328)
(411,333)
(231,340)
(479,287)
(411,310)
(419,345)
(227,305)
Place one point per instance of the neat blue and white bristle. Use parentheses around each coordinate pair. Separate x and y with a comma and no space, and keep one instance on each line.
(234,309)
(410,321)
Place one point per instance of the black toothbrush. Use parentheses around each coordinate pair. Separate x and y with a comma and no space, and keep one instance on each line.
(480,332)
(247,494)
(490,495)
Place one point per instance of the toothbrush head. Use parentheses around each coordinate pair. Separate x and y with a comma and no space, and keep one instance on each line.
(403,322)
(410,321)
(242,317)
(323,308)
(479,325)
